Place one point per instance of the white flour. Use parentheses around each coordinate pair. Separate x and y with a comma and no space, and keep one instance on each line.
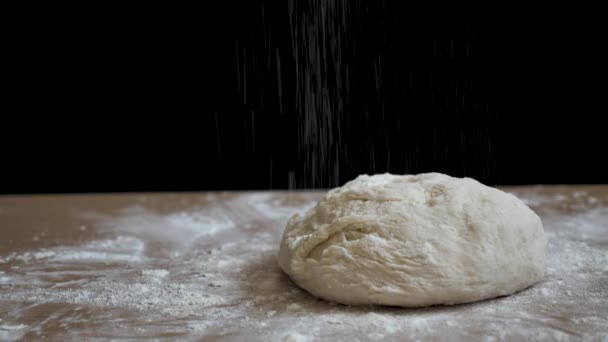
(212,272)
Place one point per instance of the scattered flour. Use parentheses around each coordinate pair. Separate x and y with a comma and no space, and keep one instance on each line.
(181,228)
(186,274)
(296,337)
(119,249)
(155,273)
(3,278)
(11,332)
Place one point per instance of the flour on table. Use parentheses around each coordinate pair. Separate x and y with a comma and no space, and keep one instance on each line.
(3,278)
(11,332)
(188,272)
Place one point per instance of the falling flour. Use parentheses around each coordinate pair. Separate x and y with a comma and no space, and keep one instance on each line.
(211,271)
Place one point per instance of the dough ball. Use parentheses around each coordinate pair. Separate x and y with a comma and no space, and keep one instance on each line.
(414,240)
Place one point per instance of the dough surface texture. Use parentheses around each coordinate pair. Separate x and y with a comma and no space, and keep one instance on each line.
(414,240)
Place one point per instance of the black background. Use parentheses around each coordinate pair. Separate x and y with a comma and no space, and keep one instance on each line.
(161,100)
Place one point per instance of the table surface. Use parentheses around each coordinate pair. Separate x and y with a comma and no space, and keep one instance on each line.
(194,266)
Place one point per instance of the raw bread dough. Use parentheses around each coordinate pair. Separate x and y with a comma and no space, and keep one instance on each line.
(414,240)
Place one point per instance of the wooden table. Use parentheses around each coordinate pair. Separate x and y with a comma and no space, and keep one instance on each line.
(203,266)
